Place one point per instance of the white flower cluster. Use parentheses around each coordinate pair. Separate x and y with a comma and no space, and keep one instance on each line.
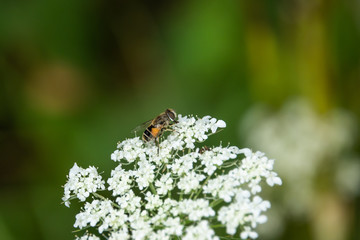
(310,147)
(182,191)
(302,139)
(81,182)
(88,237)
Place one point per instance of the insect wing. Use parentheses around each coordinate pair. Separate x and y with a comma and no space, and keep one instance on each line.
(142,126)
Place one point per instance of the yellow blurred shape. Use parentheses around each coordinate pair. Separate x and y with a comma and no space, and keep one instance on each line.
(56,89)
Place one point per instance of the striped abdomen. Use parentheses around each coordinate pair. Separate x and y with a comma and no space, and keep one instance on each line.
(150,133)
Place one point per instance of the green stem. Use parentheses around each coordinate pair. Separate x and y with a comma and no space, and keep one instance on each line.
(99,196)
(202,185)
(152,188)
(104,198)
(192,193)
(216,202)
(169,194)
(215,132)
(217,226)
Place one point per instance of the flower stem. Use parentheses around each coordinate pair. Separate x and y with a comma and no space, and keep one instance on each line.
(217,226)
(215,202)
(152,188)
(104,198)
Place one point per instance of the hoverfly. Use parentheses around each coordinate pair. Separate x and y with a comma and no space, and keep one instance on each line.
(158,125)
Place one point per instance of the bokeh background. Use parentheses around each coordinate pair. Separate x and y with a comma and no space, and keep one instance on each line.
(78,76)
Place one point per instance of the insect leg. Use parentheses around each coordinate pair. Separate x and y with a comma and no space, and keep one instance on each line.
(158,145)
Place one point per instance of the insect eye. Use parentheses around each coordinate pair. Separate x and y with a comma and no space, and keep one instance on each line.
(171,114)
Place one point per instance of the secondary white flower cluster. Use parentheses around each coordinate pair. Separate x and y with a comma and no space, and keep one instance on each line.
(182,191)
(309,147)
(81,182)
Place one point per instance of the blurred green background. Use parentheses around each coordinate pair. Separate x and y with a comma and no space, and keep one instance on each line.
(78,76)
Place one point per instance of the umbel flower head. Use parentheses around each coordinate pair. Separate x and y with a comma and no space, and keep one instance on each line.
(183,191)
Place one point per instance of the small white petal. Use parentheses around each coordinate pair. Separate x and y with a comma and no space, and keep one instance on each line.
(221,124)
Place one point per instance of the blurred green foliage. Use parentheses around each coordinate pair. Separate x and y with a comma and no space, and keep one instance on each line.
(77,76)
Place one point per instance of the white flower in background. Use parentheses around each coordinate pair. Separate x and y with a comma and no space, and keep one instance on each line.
(347,178)
(307,145)
(180,191)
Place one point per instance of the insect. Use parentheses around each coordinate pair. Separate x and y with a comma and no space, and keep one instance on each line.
(204,149)
(158,125)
